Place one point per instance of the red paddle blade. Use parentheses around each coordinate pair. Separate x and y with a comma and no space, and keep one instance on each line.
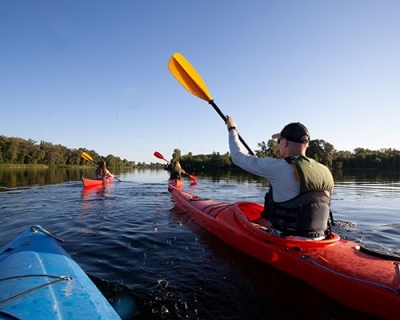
(192,177)
(159,155)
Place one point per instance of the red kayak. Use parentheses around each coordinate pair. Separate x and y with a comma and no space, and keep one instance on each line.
(345,271)
(87,183)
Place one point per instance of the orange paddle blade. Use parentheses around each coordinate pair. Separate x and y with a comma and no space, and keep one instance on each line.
(188,77)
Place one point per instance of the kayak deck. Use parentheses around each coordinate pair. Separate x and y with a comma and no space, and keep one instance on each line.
(335,266)
(39,280)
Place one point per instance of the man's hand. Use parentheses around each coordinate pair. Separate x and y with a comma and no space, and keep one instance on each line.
(230,123)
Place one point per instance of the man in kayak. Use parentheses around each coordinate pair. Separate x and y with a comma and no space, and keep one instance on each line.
(298,201)
(175,170)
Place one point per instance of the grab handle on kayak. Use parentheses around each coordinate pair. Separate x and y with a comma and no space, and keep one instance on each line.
(46,232)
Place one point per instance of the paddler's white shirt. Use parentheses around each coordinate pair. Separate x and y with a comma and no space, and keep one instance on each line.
(279,173)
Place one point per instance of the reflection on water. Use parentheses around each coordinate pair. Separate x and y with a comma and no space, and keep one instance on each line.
(131,239)
(96,192)
(17,178)
(363,176)
(24,177)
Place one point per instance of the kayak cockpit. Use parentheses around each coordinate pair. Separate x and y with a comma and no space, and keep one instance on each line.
(250,212)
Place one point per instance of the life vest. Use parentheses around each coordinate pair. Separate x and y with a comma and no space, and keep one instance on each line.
(308,213)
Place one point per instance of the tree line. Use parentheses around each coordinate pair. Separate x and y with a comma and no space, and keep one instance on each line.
(318,149)
(20,151)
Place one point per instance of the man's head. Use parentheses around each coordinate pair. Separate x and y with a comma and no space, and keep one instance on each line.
(295,131)
(293,140)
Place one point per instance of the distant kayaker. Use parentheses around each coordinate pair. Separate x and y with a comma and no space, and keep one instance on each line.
(102,171)
(298,201)
(175,170)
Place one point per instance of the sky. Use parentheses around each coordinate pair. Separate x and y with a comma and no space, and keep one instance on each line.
(94,74)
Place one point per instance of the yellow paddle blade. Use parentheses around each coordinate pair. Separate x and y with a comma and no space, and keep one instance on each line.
(188,77)
(86,156)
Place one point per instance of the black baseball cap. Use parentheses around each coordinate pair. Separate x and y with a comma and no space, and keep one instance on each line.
(295,132)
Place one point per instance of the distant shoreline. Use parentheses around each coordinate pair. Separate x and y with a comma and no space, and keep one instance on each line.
(38,166)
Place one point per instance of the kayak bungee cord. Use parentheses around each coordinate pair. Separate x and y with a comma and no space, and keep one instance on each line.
(212,207)
(58,279)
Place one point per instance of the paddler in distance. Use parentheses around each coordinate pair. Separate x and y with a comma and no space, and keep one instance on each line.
(102,171)
(175,170)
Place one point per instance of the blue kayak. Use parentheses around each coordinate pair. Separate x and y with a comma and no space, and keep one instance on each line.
(39,280)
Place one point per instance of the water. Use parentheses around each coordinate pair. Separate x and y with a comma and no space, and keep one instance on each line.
(132,241)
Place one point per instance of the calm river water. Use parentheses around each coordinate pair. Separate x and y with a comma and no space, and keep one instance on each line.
(132,241)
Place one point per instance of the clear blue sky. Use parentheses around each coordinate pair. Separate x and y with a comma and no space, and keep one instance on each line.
(94,74)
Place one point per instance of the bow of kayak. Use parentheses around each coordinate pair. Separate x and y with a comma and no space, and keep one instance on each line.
(177,183)
(339,268)
(39,280)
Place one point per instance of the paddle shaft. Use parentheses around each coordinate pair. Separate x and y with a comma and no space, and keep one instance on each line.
(213,104)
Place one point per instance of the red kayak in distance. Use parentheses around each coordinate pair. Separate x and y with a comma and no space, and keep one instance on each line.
(90,183)
(177,183)
(358,278)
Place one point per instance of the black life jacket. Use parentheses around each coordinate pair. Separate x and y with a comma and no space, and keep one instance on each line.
(307,214)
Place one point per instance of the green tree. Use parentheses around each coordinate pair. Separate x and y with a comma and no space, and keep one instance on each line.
(176,155)
(262,152)
(321,151)
(10,151)
(271,149)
